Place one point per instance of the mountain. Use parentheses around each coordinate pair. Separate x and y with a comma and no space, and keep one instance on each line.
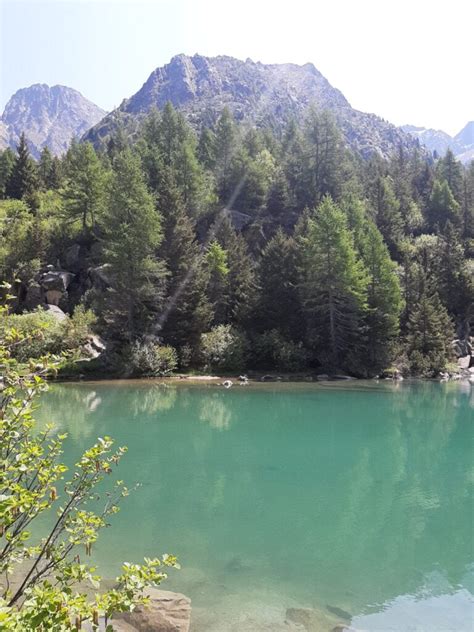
(462,145)
(258,93)
(466,136)
(49,116)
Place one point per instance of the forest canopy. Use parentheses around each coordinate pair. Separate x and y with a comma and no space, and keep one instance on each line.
(234,247)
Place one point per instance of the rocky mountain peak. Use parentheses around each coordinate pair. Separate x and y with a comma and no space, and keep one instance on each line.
(262,94)
(49,116)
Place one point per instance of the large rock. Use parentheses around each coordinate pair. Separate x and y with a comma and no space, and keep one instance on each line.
(100,276)
(56,280)
(166,612)
(464,362)
(55,311)
(461,347)
(93,348)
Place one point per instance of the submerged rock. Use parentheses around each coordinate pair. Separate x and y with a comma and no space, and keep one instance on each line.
(312,619)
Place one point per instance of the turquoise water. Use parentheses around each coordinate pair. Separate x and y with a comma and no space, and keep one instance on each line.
(354,499)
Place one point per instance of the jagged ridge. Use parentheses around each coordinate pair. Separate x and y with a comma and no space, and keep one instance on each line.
(263,94)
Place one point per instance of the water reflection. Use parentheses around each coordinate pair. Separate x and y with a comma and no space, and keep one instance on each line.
(358,497)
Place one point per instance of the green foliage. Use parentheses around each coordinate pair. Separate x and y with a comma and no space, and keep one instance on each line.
(279,305)
(442,206)
(7,161)
(132,230)
(334,287)
(430,332)
(199,229)
(43,334)
(216,260)
(150,359)
(274,351)
(224,348)
(84,190)
(22,180)
(49,592)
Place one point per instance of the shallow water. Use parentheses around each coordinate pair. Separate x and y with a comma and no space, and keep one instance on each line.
(352,499)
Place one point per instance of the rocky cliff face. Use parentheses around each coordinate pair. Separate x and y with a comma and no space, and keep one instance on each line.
(259,93)
(462,145)
(49,116)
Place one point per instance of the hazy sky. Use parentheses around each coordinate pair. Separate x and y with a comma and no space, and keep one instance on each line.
(409,61)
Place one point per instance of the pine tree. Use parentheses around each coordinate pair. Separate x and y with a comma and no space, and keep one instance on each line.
(454,283)
(467,211)
(224,150)
(383,298)
(279,305)
(187,313)
(449,169)
(236,302)
(442,206)
(23,179)
(386,210)
(323,158)
(132,234)
(430,332)
(84,190)
(7,161)
(48,170)
(334,287)
(278,204)
(206,150)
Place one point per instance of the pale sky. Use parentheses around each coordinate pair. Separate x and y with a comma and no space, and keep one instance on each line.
(409,61)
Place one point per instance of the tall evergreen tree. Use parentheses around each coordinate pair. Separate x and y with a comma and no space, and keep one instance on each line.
(387,213)
(279,305)
(187,312)
(23,178)
(224,150)
(84,190)
(324,158)
(383,298)
(449,169)
(334,287)
(132,234)
(236,302)
(7,161)
(455,284)
(206,150)
(430,332)
(467,211)
(442,206)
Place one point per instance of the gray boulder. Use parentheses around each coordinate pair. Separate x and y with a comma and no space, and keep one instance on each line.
(55,311)
(56,280)
(166,612)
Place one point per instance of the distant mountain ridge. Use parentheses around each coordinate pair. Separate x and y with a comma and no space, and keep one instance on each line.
(49,116)
(259,93)
(462,145)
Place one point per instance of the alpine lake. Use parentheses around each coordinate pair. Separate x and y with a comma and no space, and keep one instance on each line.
(351,499)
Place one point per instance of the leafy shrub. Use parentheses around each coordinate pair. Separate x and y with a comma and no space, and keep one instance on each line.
(78,327)
(151,359)
(224,348)
(274,351)
(42,333)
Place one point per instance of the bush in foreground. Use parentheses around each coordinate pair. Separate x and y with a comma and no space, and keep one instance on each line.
(49,568)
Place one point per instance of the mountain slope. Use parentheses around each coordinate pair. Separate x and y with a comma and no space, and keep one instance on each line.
(466,136)
(259,93)
(462,145)
(49,116)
